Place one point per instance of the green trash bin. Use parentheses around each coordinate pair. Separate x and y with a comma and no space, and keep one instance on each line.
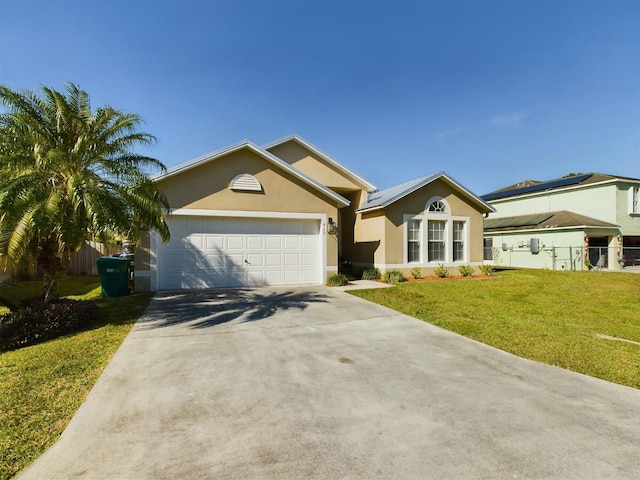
(114,276)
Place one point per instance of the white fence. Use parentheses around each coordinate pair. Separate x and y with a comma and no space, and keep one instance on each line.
(564,258)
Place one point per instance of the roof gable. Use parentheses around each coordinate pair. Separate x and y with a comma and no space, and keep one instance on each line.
(320,156)
(383,198)
(277,162)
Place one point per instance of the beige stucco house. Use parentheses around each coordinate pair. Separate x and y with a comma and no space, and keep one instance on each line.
(287,213)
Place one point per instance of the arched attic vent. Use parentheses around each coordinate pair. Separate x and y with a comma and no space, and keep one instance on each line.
(245,183)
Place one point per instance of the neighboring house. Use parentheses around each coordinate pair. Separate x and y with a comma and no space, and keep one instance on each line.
(578,222)
(287,213)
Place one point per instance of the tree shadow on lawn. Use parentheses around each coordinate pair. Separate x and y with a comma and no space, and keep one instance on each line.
(208,308)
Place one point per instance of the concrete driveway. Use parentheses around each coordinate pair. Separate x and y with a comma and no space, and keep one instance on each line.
(299,383)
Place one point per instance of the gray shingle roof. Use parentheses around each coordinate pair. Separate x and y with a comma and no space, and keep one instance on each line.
(543,221)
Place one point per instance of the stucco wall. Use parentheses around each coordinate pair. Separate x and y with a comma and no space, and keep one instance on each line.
(369,246)
(629,223)
(559,249)
(599,202)
(310,164)
(206,187)
(387,227)
(568,250)
(415,204)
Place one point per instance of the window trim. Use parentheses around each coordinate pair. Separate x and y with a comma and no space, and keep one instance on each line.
(462,240)
(443,241)
(425,217)
(420,241)
(634,197)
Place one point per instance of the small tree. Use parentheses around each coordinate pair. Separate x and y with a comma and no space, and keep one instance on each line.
(69,174)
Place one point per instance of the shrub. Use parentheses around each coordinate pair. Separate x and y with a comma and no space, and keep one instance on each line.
(416,272)
(35,321)
(371,273)
(441,271)
(466,270)
(487,269)
(394,276)
(337,280)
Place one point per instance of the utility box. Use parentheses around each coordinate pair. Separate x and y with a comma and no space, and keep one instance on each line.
(114,276)
(535,245)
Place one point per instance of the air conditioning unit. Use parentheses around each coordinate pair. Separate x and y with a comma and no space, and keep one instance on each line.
(535,245)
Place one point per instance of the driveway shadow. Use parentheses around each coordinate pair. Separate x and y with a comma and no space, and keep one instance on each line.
(208,308)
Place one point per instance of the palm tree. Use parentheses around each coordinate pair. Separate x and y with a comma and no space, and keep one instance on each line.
(69,174)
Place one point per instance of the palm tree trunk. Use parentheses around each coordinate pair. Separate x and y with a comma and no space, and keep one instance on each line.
(53,266)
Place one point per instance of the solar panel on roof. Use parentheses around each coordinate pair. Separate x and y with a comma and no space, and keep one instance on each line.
(539,187)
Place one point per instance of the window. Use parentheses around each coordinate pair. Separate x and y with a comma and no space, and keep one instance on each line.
(413,241)
(436,246)
(488,248)
(435,236)
(634,200)
(437,206)
(458,241)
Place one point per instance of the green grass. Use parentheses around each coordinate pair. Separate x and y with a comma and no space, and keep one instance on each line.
(42,386)
(550,317)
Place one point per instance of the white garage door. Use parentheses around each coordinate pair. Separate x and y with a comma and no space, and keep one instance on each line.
(211,252)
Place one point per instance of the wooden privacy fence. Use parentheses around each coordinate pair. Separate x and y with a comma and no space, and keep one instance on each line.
(83,262)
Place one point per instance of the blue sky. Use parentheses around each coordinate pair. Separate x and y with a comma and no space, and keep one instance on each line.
(492,91)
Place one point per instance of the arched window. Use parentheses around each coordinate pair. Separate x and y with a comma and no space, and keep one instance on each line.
(437,206)
(436,236)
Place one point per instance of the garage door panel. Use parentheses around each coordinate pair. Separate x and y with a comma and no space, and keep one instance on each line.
(214,242)
(308,276)
(255,243)
(291,276)
(273,243)
(291,259)
(232,252)
(273,277)
(255,259)
(234,260)
(291,243)
(308,259)
(215,261)
(256,278)
(307,243)
(274,260)
(235,242)
(196,241)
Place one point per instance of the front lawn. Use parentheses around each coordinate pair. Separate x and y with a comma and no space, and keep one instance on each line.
(588,322)
(42,386)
